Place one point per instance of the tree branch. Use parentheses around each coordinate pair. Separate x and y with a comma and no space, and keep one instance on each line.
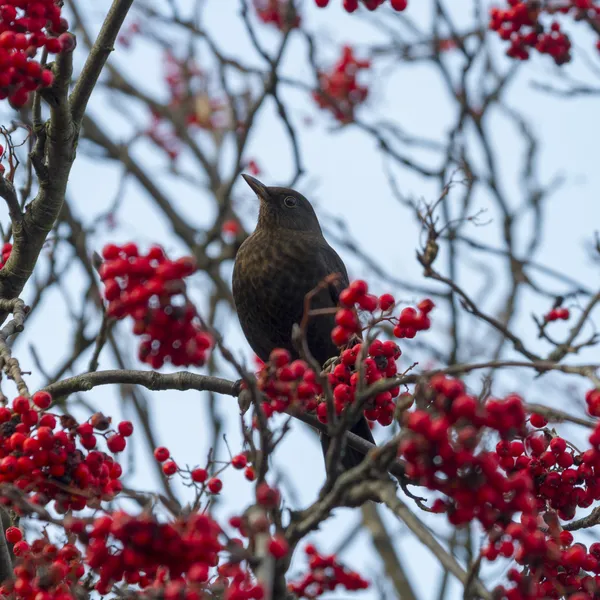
(97,58)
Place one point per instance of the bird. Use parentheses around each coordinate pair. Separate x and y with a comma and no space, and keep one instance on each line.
(286,257)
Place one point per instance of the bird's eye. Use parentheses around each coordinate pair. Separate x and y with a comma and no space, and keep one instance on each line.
(290,201)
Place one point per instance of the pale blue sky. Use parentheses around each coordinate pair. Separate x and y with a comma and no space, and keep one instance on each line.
(344,178)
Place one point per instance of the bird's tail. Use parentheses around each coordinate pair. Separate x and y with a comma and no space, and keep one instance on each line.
(351,457)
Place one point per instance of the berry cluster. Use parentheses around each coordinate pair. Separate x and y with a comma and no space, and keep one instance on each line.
(522,26)
(187,85)
(26,26)
(281,13)
(557,314)
(352,5)
(6,250)
(42,570)
(592,399)
(326,574)
(339,90)
(531,474)
(286,383)
(46,462)
(442,453)
(412,320)
(289,384)
(380,363)
(122,547)
(146,287)
(356,296)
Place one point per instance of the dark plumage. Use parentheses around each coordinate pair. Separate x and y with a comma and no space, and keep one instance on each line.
(284,259)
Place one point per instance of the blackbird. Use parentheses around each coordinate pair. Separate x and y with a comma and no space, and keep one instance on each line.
(285,258)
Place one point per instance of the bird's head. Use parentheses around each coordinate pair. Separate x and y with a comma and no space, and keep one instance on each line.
(283,208)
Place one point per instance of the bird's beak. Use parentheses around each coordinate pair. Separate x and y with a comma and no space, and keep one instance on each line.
(257,187)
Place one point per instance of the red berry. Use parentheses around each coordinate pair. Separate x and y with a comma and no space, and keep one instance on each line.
(215,485)
(116,443)
(169,468)
(14,535)
(161,454)
(538,421)
(386,301)
(42,399)
(199,475)
(399,5)
(239,461)
(278,547)
(20,405)
(125,428)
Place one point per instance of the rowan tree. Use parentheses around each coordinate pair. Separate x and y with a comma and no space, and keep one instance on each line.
(145,453)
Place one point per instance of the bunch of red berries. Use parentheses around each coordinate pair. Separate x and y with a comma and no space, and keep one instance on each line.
(442,453)
(352,5)
(145,287)
(339,90)
(326,574)
(281,13)
(522,27)
(132,548)
(557,314)
(286,383)
(48,464)
(379,363)
(26,26)
(42,570)
(592,399)
(412,320)
(6,250)
(187,83)
(356,296)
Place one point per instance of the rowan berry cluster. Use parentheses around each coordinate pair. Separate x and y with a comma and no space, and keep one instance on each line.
(123,547)
(6,250)
(352,5)
(534,474)
(281,13)
(339,90)
(147,288)
(326,574)
(26,27)
(522,25)
(557,314)
(413,320)
(356,296)
(53,458)
(43,570)
(379,363)
(442,453)
(187,85)
(286,383)
(289,384)
(592,399)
